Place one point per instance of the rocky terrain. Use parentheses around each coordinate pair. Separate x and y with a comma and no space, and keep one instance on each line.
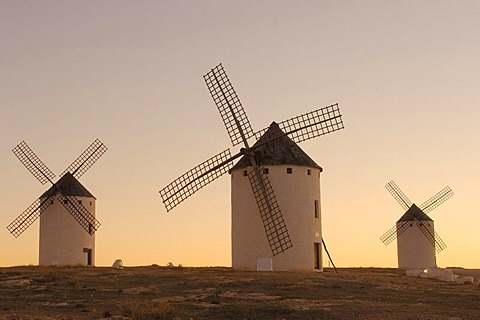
(219,293)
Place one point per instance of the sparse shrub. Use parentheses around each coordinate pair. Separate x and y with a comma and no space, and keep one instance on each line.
(215,298)
(47,277)
(148,310)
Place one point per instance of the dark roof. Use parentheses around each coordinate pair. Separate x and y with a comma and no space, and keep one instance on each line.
(414,213)
(280,151)
(70,186)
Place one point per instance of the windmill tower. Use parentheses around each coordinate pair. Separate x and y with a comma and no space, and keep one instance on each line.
(417,241)
(273,176)
(66,210)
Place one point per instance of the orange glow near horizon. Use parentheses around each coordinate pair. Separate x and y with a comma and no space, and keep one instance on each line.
(405,76)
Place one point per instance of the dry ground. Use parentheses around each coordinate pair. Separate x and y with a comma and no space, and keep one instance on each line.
(220,293)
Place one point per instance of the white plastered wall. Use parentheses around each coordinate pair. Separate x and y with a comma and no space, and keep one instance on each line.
(414,250)
(296,194)
(62,239)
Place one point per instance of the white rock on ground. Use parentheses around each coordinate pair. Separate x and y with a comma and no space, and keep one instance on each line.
(446,275)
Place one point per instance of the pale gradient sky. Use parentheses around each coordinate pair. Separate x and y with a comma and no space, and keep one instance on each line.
(405,73)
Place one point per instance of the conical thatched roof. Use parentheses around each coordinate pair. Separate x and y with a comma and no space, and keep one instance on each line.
(70,186)
(280,151)
(414,213)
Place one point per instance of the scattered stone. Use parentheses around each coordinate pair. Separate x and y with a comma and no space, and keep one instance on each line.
(170,265)
(55,304)
(118,264)
(446,275)
(229,294)
(170,299)
(464,280)
(138,290)
(16,283)
(414,273)
(260,296)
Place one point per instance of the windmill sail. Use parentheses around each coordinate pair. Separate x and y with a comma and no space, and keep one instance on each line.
(398,195)
(196,178)
(86,159)
(79,213)
(272,218)
(230,108)
(30,160)
(394,232)
(32,213)
(66,187)
(442,196)
(311,125)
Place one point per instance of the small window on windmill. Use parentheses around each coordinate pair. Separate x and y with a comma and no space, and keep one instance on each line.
(265,170)
(245,173)
(90,202)
(289,170)
(65,201)
(79,201)
(317,215)
(51,201)
(309,172)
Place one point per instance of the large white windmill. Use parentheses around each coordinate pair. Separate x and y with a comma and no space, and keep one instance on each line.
(274,185)
(417,241)
(66,210)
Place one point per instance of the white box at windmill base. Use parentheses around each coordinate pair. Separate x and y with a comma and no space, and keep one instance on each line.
(264,264)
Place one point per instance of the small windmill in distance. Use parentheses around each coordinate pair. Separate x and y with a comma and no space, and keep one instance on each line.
(259,226)
(417,240)
(66,210)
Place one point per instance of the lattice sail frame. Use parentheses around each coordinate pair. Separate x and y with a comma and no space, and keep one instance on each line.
(432,236)
(40,171)
(86,159)
(272,218)
(398,195)
(195,179)
(80,213)
(228,105)
(426,228)
(33,164)
(311,124)
(394,232)
(442,196)
(32,213)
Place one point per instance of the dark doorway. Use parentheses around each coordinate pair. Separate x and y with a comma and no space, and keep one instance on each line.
(316,255)
(89,255)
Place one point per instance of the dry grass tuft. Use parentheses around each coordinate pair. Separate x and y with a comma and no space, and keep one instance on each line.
(148,310)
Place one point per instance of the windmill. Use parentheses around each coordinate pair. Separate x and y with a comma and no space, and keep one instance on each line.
(63,240)
(417,240)
(259,190)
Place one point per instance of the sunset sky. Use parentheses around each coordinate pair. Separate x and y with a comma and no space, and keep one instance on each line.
(406,75)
